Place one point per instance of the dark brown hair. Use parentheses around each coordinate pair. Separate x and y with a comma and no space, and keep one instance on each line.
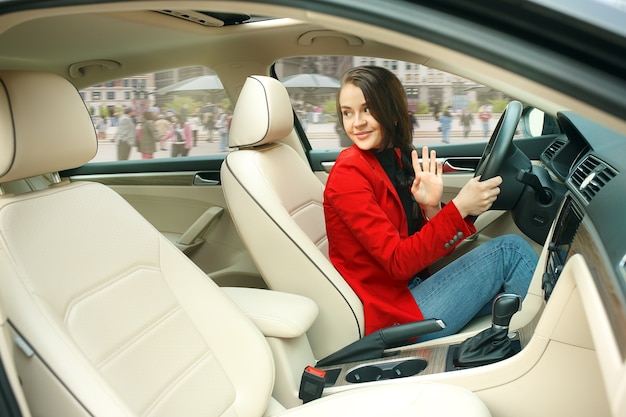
(386,99)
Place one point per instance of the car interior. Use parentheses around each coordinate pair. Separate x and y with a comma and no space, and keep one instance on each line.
(202,285)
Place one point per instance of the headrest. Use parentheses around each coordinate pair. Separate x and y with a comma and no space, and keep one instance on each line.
(263,113)
(44,125)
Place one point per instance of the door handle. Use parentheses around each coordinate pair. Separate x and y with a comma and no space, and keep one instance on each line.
(198,179)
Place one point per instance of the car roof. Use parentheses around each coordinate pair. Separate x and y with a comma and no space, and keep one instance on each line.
(531,50)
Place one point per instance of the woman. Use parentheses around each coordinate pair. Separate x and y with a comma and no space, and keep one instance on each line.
(386,224)
(148,136)
(181,135)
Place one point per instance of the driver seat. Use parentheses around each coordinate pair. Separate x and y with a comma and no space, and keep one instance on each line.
(276,203)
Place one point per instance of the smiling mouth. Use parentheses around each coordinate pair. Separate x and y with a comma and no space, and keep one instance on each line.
(362,135)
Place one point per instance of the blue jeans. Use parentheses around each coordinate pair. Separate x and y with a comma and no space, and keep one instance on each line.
(445,133)
(223,141)
(486,129)
(466,287)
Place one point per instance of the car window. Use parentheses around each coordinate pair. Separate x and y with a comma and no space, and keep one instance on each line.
(191,94)
(313,82)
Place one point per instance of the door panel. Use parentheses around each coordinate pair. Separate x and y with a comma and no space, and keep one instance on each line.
(173,209)
(173,204)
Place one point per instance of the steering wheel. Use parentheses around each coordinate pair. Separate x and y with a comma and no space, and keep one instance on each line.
(500,144)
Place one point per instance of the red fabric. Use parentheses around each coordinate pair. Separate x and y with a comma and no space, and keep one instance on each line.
(369,243)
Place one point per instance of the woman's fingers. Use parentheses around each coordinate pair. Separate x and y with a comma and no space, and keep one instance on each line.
(433,161)
(429,161)
(415,161)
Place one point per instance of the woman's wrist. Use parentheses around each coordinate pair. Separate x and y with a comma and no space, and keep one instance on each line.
(431,211)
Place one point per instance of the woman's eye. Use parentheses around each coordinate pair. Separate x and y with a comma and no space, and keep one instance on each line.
(366,110)
(347,113)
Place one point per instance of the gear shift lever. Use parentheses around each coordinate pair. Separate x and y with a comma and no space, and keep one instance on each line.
(492,344)
(504,306)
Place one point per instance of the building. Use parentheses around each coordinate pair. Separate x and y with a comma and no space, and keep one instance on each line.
(111,98)
(424,85)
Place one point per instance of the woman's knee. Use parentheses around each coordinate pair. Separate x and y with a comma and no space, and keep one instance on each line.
(515,242)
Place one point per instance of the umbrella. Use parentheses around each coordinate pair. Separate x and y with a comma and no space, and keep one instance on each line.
(203,83)
(311,83)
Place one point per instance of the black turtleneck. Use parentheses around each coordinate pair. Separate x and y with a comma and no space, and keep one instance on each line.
(389,162)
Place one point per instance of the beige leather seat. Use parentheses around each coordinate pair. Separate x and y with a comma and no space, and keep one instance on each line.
(108,317)
(275,201)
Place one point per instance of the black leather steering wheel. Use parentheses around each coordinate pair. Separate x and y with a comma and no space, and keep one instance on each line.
(500,144)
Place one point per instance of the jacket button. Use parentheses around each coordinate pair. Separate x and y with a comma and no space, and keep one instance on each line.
(452,241)
(459,235)
(447,246)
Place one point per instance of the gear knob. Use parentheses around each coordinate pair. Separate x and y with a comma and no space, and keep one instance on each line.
(504,306)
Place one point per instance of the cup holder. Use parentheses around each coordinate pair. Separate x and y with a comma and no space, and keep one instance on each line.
(386,370)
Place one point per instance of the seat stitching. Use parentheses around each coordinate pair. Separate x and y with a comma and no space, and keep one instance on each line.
(162,396)
(100,286)
(139,336)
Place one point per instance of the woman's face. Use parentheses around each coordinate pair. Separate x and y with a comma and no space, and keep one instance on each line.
(358,122)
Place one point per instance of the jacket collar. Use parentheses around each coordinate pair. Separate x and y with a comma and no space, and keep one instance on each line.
(371,159)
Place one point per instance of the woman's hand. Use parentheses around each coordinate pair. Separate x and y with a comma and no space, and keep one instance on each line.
(476,197)
(427,188)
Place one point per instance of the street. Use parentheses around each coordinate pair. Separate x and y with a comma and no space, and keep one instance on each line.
(321,136)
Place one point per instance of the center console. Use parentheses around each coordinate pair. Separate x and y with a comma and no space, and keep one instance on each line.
(490,345)
(566,225)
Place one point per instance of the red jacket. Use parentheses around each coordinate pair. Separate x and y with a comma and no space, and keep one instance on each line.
(369,243)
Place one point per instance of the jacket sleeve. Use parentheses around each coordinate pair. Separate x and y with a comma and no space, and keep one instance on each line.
(373,221)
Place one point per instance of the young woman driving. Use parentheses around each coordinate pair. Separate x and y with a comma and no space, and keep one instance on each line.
(386,223)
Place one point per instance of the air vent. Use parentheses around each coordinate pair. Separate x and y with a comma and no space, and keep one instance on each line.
(590,176)
(195,17)
(553,149)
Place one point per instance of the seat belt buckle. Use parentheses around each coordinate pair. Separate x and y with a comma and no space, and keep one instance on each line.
(311,384)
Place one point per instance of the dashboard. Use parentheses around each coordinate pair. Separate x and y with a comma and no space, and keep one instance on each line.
(589,160)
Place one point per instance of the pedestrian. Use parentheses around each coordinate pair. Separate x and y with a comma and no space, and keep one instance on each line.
(125,135)
(414,122)
(223,128)
(484,114)
(445,122)
(435,108)
(148,136)
(101,127)
(181,135)
(209,124)
(466,122)
(196,124)
(386,224)
(162,126)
